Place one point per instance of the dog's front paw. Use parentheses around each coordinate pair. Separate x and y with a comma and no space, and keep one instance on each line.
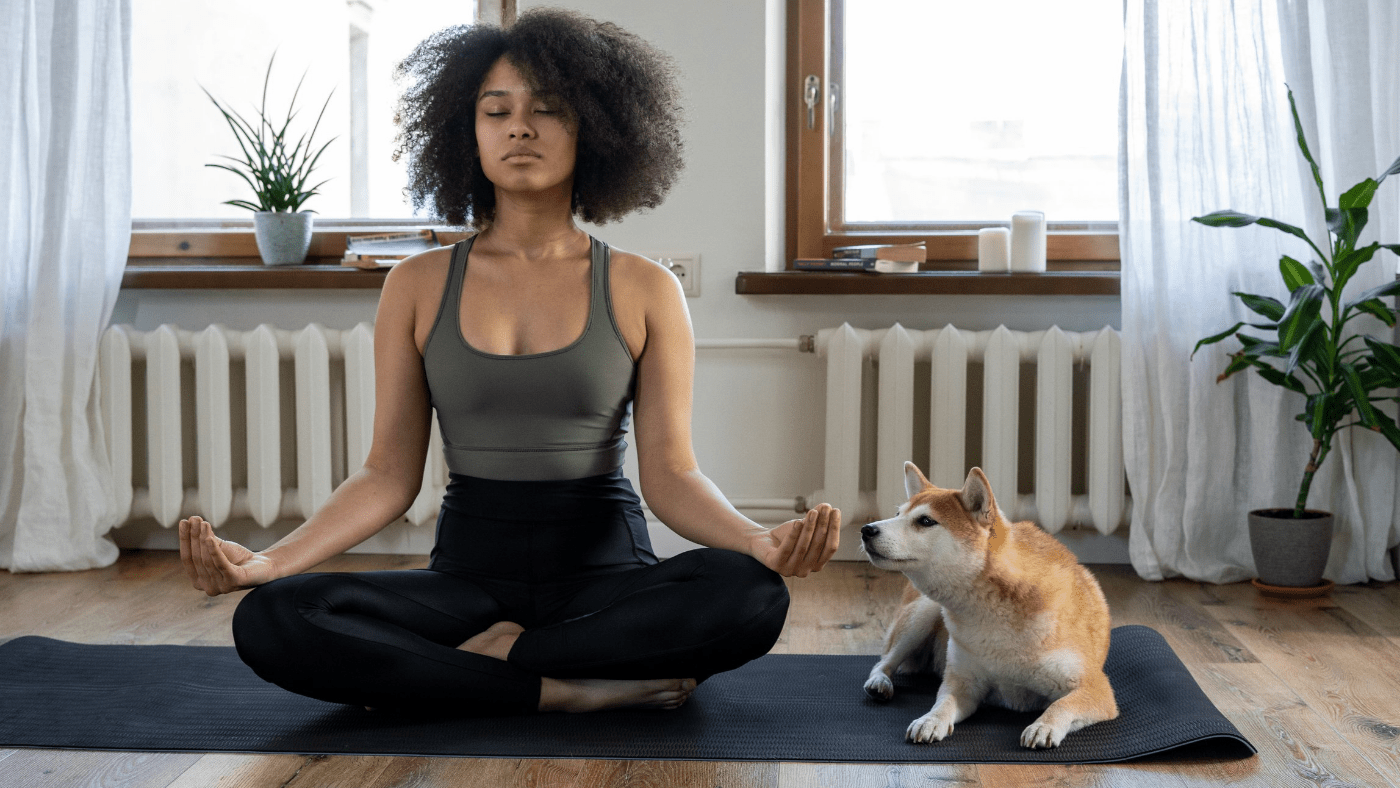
(879,686)
(1041,735)
(931,727)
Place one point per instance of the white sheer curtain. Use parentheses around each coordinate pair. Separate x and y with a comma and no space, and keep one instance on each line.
(1206,126)
(65,224)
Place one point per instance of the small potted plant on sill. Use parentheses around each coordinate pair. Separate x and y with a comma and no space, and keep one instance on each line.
(277,170)
(1343,377)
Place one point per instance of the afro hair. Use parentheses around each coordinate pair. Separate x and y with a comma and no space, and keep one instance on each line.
(620,91)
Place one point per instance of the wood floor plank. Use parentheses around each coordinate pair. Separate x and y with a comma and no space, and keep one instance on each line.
(1346,672)
(874,775)
(1297,745)
(1371,603)
(361,771)
(1176,609)
(843,609)
(72,769)
(230,770)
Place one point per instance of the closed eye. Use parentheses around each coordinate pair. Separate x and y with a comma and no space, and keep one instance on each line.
(925,521)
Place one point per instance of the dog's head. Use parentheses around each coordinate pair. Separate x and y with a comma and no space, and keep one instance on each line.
(937,532)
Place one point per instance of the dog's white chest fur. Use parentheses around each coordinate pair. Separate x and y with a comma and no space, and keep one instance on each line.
(1011,661)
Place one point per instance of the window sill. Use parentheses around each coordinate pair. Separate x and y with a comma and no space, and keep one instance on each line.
(1061,283)
(247,273)
(227,259)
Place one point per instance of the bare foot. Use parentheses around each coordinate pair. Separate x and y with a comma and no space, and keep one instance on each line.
(496,641)
(578,695)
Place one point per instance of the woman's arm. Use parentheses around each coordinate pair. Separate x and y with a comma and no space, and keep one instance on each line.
(671,480)
(369,499)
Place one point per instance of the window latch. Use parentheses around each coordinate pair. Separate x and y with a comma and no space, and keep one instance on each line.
(811,90)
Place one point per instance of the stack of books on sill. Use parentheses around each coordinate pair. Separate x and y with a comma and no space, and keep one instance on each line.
(878,258)
(381,250)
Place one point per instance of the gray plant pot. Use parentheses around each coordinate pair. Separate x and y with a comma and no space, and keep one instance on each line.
(283,238)
(1290,552)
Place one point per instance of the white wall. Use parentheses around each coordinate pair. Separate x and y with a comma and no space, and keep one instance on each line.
(759,415)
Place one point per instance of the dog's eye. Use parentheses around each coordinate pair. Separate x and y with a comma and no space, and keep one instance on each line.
(926,521)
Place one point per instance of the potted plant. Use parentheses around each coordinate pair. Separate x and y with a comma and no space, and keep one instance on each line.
(277,170)
(1341,376)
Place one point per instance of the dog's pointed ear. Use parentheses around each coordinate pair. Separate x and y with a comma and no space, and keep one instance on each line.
(977,496)
(914,481)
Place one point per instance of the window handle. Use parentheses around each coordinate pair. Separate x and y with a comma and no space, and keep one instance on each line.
(835,98)
(811,90)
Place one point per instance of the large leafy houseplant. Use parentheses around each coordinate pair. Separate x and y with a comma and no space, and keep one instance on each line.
(1343,377)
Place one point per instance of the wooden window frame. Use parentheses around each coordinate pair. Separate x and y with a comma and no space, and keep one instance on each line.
(811,180)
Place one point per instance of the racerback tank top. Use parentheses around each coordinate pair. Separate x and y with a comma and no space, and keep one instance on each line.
(538,416)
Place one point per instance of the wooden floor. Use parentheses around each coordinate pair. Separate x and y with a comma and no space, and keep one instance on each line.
(1315,685)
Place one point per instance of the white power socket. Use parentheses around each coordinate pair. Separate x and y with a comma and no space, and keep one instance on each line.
(686,267)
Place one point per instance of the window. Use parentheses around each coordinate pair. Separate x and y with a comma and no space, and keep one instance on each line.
(927,119)
(346,49)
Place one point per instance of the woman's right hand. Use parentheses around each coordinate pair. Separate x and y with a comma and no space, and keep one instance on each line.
(218,566)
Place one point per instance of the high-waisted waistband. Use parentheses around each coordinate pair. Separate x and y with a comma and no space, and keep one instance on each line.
(541,531)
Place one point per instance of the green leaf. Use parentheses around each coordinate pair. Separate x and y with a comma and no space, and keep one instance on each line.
(1318,407)
(1377,308)
(1238,362)
(1319,273)
(1255,347)
(1387,427)
(1309,348)
(1379,291)
(1385,356)
(1279,379)
(1226,219)
(1271,308)
(1211,340)
(1347,263)
(1360,395)
(1302,315)
(1303,146)
(1395,248)
(1358,196)
(1347,224)
(1295,274)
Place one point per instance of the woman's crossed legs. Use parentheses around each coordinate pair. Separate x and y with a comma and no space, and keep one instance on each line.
(395,638)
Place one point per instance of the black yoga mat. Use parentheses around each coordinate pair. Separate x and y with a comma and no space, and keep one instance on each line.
(55,694)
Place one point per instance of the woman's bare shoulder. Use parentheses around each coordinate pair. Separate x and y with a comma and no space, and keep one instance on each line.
(417,272)
(642,276)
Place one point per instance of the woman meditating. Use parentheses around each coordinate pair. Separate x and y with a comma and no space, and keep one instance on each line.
(534,342)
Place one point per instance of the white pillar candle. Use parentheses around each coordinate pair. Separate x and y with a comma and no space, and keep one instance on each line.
(1028,242)
(994,249)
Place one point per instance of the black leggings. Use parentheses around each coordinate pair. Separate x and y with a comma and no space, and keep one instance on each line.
(569,561)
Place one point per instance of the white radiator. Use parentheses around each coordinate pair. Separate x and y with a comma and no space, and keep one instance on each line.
(275,444)
(327,394)
(949,352)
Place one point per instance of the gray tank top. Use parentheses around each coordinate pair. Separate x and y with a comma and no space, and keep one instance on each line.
(538,416)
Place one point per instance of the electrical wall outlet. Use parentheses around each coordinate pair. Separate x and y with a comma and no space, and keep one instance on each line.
(686,267)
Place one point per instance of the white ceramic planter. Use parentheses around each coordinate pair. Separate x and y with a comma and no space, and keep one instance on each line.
(283,238)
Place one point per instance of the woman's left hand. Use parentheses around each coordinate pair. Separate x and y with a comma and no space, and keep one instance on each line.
(799,547)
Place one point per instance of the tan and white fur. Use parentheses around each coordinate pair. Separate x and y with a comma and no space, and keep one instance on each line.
(1025,625)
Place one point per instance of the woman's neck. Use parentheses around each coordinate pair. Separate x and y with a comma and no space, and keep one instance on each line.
(531,228)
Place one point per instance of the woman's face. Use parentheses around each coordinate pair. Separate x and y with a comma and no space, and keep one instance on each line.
(527,142)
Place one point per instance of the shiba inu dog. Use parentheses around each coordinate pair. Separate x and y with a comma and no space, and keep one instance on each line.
(1002,610)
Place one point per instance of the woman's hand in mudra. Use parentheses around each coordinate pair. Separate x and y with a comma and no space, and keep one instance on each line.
(218,566)
(799,547)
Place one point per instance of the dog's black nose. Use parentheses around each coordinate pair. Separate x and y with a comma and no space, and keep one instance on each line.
(869,531)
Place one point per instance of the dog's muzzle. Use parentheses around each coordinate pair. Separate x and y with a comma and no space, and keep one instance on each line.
(868,532)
